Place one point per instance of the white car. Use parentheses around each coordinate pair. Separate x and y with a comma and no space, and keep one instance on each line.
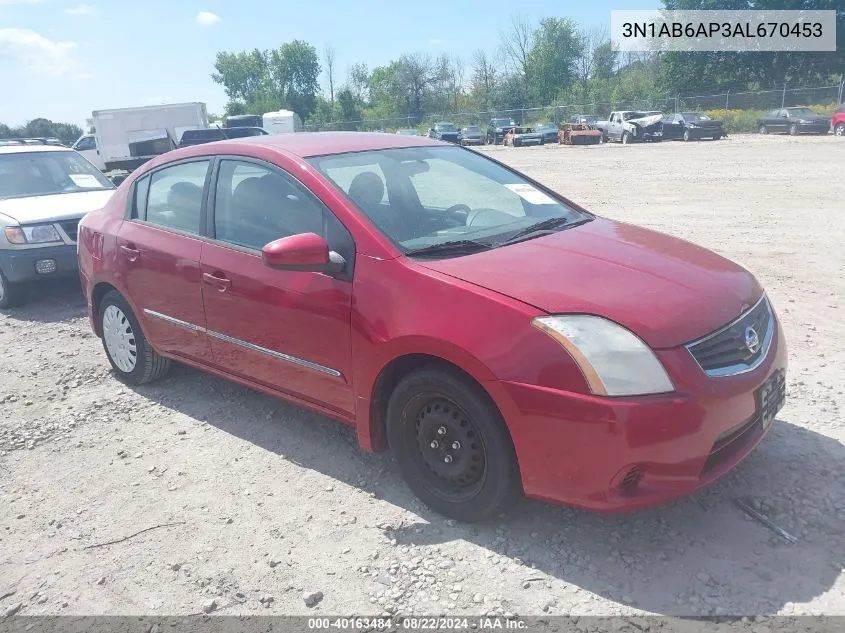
(45,190)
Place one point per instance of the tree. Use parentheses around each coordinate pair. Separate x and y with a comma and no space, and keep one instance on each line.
(294,70)
(484,77)
(358,82)
(328,59)
(244,76)
(585,65)
(556,47)
(604,60)
(516,44)
(5,131)
(349,111)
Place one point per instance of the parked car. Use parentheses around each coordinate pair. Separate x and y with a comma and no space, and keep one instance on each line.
(408,132)
(209,135)
(837,121)
(793,121)
(520,136)
(579,134)
(691,126)
(471,135)
(589,119)
(445,131)
(45,189)
(497,129)
(327,269)
(547,131)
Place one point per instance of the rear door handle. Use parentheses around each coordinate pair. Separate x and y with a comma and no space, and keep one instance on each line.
(218,281)
(132,254)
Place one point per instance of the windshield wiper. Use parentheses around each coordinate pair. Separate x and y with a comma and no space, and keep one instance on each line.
(544,225)
(450,248)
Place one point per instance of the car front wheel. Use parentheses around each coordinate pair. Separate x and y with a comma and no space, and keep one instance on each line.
(763,129)
(687,135)
(130,354)
(8,293)
(451,445)
(626,138)
(839,130)
(793,130)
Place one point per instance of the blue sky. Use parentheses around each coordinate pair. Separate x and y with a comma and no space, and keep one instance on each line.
(61,59)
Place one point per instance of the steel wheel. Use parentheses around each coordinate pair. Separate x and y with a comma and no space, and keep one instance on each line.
(839,130)
(450,447)
(119,339)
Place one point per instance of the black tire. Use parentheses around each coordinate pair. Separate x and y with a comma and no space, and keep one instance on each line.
(839,130)
(793,130)
(626,138)
(9,293)
(481,477)
(687,136)
(149,365)
(763,129)
(717,137)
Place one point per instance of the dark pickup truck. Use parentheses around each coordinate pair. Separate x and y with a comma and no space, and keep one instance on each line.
(445,131)
(498,129)
(209,135)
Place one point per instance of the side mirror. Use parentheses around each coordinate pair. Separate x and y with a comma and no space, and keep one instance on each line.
(306,252)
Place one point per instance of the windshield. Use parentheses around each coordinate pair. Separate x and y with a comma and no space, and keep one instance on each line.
(546,126)
(800,112)
(473,129)
(695,116)
(25,174)
(425,196)
(502,122)
(446,127)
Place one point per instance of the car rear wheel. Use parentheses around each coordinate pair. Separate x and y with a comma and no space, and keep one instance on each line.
(451,445)
(793,130)
(626,138)
(9,293)
(839,130)
(717,137)
(130,354)
(763,129)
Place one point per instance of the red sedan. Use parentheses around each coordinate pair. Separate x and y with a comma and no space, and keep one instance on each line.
(497,337)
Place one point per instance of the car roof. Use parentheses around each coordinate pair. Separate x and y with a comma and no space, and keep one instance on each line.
(15,148)
(306,144)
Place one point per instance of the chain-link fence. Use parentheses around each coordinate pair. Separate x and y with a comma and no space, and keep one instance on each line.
(740,100)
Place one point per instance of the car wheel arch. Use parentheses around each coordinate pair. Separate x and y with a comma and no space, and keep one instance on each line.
(372,423)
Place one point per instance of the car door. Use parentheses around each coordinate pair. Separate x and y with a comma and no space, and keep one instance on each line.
(673,126)
(87,146)
(614,127)
(780,122)
(288,330)
(159,257)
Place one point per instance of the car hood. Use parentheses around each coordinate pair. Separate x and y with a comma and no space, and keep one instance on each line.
(60,206)
(666,290)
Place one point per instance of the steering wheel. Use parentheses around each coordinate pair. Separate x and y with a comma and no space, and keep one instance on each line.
(460,211)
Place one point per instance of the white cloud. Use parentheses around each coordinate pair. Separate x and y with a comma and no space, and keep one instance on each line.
(80,9)
(207,18)
(36,52)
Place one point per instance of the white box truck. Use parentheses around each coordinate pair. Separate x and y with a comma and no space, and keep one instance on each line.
(126,138)
(282,122)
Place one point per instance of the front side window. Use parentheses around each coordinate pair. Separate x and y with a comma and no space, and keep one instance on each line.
(255,205)
(441,194)
(175,196)
(85,143)
(25,174)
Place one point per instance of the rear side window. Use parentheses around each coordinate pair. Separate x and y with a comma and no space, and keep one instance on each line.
(175,196)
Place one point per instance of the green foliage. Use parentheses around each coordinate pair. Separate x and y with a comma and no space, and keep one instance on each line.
(263,81)
(65,132)
(556,47)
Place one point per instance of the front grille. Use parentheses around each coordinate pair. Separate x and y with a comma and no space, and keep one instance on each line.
(71,227)
(727,351)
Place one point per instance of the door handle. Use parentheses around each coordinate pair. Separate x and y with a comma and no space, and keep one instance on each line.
(131,253)
(218,281)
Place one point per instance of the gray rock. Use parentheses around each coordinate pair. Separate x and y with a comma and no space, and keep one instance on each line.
(209,605)
(13,609)
(312,598)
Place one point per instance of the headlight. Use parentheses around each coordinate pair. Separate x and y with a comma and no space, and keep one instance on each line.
(498,129)
(37,234)
(614,361)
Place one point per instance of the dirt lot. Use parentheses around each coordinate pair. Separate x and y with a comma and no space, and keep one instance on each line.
(271,502)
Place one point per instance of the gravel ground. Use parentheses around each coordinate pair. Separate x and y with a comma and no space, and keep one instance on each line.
(274,510)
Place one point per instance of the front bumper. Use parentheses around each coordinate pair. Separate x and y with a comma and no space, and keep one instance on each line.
(583,450)
(472,141)
(702,132)
(530,140)
(18,265)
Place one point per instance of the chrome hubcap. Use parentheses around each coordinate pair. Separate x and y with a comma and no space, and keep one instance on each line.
(119,339)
